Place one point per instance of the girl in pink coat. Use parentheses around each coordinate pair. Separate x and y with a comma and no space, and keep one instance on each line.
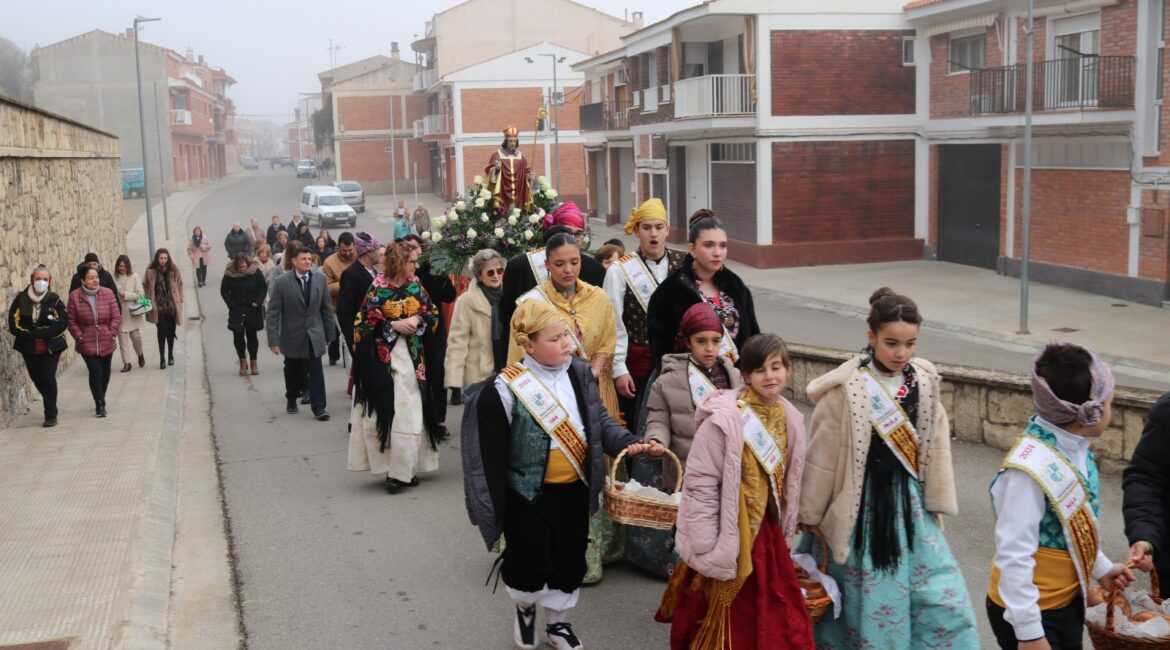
(737,586)
(94,319)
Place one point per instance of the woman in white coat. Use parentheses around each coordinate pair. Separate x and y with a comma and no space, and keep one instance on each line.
(474,325)
(130,292)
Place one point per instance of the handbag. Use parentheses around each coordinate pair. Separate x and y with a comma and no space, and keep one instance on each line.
(141,307)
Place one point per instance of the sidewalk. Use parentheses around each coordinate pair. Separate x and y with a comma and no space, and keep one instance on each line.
(90,507)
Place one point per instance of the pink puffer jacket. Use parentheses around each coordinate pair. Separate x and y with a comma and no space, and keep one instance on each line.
(708,535)
(94,337)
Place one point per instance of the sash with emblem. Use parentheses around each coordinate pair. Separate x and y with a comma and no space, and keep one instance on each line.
(699,382)
(1067,495)
(762,445)
(538,294)
(639,279)
(548,411)
(536,260)
(727,347)
(891,423)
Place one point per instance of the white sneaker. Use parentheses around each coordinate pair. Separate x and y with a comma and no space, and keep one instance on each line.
(524,628)
(561,637)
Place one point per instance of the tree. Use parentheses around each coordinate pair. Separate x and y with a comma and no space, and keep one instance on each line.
(15,72)
(323,127)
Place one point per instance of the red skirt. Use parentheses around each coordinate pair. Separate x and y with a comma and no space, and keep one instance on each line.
(768,613)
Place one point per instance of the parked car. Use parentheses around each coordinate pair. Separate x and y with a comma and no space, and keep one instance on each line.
(133,182)
(248,162)
(306,168)
(353,194)
(323,204)
(285,161)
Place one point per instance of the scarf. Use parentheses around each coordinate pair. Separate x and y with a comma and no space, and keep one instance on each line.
(197,240)
(887,485)
(91,298)
(32,309)
(493,298)
(1059,412)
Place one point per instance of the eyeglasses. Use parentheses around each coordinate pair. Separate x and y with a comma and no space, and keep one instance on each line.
(491,273)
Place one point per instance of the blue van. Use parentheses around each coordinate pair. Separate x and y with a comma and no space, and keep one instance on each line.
(133,182)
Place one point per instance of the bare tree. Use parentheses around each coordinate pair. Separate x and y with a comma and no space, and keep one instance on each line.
(16,79)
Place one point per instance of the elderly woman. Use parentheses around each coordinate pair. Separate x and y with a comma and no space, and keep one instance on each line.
(474,326)
(38,319)
(94,319)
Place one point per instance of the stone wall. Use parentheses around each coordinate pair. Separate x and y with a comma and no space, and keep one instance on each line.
(993,407)
(60,197)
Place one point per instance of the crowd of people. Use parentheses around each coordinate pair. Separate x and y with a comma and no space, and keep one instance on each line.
(563,360)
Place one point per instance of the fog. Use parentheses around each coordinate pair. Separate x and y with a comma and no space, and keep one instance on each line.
(273,49)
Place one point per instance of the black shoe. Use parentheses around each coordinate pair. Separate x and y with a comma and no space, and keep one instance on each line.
(394,486)
(101,409)
(292,408)
(162,365)
(456,397)
(141,361)
(333,362)
(561,637)
(305,398)
(322,415)
(50,422)
(171,360)
(524,629)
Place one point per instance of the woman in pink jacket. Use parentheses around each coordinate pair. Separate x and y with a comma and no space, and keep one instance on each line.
(199,251)
(94,319)
(737,586)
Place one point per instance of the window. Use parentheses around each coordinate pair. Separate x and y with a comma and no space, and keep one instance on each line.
(733,152)
(652,73)
(968,53)
(908,50)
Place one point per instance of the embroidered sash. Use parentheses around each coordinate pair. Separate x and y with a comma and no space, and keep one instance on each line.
(1067,495)
(536,260)
(762,445)
(727,347)
(699,382)
(891,423)
(639,279)
(538,294)
(547,410)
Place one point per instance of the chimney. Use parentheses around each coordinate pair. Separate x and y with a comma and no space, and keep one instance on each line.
(636,17)
(394,50)
(129,32)
(200,59)
(190,55)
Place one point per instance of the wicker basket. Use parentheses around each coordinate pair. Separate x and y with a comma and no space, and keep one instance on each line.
(1105,638)
(818,607)
(636,510)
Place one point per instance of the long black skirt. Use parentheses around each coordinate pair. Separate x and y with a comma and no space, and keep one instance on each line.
(546,539)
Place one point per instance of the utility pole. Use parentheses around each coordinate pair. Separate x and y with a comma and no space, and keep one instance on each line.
(556,129)
(393,160)
(162,168)
(142,135)
(1027,211)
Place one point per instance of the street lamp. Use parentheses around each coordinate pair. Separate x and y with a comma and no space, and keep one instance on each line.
(142,135)
(556,123)
(162,168)
(1026,230)
(393,159)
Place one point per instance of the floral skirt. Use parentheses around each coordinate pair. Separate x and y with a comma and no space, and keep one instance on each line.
(923,603)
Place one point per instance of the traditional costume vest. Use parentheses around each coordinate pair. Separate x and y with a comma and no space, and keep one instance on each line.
(634,309)
(537,418)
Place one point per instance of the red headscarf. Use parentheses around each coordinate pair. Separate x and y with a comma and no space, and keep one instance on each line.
(699,318)
(566,214)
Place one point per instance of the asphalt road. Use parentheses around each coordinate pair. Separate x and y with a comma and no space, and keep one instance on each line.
(326,559)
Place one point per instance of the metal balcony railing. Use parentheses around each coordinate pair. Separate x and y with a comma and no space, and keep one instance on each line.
(604,116)
(425,79)
(714,95)
(181,117)
(432,125)
(1072,83)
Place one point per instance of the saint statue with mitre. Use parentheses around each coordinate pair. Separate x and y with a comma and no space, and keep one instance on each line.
(509,176)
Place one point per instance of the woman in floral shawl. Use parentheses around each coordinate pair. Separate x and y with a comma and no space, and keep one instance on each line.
(392,428)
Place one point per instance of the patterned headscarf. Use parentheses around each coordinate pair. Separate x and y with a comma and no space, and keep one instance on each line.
(566,214)
(650,210)
(530,317)
(699,318)
(364,242)
(1057,411)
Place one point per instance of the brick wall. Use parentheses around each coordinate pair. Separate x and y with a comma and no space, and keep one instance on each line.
(825,191)
(1154,246)
(1067,205)
(849,72)
(367,162)
(489,110)
(733,198)
(363,113)
(665,112)
(1119,29)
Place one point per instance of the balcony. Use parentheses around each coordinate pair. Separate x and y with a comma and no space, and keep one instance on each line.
(604,116)
(715,95)
(1105,82)
(431,126)
(425,79)
(180,118)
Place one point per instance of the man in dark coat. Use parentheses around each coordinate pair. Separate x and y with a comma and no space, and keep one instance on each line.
(273,230)
(236,242)
(1146,486)
(355,281)
(104,278)
(300,325)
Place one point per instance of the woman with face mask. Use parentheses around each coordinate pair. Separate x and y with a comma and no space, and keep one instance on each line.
(37,320)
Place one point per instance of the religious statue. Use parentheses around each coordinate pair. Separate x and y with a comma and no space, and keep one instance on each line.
(509,177)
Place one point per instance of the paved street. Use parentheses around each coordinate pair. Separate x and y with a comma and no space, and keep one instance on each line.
(326,558)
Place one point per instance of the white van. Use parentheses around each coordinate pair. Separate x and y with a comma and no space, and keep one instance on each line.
(325,205)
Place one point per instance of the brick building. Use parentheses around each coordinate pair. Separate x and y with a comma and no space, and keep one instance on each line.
(472,88)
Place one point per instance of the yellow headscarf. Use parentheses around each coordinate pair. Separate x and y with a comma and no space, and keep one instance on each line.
(531,316)
(650,210)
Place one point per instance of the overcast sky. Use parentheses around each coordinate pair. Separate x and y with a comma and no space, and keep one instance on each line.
(273,48)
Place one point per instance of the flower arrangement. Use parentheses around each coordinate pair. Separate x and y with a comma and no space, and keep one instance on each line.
(473,223)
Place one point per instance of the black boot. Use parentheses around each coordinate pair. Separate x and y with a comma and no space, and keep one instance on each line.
(101,408)
(162,360)
(456,396)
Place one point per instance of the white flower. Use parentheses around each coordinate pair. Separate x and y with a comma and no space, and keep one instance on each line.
(512,221)
(484,194)
(471,233)
(452,212)
(511,241)
(543,180)
(499,232)
(425,234)
(552,194)
(540,211)
(516,211)
(533,218)
(478,180)
(479,203)
(453,217)
(439,221)
(436,237)
(528,234)
(460,205)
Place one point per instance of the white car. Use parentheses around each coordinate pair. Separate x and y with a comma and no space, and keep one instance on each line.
(324,204)
(353,194)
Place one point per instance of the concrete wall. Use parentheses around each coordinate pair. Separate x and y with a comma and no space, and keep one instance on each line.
(992,407)
(60,185)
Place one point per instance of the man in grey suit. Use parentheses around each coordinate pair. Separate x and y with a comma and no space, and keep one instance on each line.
(300,326)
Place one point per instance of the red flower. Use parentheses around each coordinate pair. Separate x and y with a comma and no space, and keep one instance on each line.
(383,352)
(420,371)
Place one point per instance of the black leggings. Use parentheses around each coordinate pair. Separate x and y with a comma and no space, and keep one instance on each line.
(201,273)
(99,375)
(166,335)
(248,335)
(42,369)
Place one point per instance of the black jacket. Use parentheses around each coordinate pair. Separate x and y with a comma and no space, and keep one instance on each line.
(355,282)
(273,231)
(519,280)
(1146,487)
(50,327)
(104,279)
(236,243)
(675,296)
(244,293)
